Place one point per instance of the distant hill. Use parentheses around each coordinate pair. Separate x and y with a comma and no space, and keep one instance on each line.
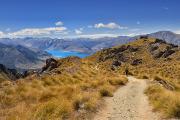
(8,74)
(86,45)
(32,55)
(20,57)
(168,36)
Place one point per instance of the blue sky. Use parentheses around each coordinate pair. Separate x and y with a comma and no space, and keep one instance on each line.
(83,18)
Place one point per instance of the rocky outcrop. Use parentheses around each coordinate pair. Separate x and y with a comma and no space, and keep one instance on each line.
(163,54)
(117,53)
(133,49)
(143,37)
(167,53)
(155,50)
(136,62)
(12,74)
(164,83)
(160,41)
(51,63)
(115,64)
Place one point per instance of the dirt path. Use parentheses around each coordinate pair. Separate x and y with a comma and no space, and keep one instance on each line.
(128,103)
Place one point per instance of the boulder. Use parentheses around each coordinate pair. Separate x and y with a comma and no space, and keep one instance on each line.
(160,41)
(167,53)
(164,54)
(165,84)
(153,48)
(51,64)
(143,37)
(136,62)
(158,54)
(115,64)
(133,49)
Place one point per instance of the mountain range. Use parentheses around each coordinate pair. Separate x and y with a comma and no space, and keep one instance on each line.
(20,57)
(30,53)
(85,45)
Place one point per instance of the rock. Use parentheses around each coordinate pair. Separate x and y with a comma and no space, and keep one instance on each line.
(164,54)
(160,41)
(113,53)
(158,54)
(12,74)
(165,84)
(121,57)
(115,64)
(133,49)
(51,63)
(136,62)
(167,53)
(153,48)
(173,46)
(122,48)
(143,37)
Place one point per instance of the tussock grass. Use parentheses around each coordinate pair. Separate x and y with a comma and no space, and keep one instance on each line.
(53,109)
(106,91)
(59,95)
(168,102)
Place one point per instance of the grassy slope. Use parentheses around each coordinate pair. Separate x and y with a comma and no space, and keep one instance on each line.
(76,87)
(73,89)
(166,69)
(3,77)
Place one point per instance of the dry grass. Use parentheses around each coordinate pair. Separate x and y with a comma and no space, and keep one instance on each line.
(168,102)
(77,86)
(58,96)
(165,69)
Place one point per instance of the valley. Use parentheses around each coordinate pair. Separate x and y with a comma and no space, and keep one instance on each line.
(75,88)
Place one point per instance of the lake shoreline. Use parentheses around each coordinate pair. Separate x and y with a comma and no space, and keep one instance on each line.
(63,54)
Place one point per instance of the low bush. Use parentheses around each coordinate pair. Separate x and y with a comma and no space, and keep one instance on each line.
(105,92)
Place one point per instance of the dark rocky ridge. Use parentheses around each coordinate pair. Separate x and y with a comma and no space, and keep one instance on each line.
(12,74)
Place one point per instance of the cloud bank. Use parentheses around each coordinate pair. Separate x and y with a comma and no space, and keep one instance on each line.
(110,25)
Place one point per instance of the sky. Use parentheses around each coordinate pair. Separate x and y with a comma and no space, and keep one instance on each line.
(87,18)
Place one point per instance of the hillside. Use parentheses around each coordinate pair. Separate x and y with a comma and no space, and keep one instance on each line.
(9,74)
(168,36)
(19,57)
(73,88)
(153,59)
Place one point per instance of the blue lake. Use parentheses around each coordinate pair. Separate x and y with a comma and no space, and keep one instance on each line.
(63,54)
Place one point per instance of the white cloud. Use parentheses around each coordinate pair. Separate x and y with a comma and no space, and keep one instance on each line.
(177,32)
(95,36)
(38,31)
(111,25)
(79,31)
(59,23)
(2,34)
